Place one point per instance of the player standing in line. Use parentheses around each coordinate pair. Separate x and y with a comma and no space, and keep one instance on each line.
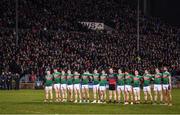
(63,86)
(56,76)
(128,88)
(77,88)
(112,85)
(95,78)
(146,86)
(136,86)
(158,86)
(48,87)
(166,81)
(102,87)
(85,86)
(120,85)
(70,85)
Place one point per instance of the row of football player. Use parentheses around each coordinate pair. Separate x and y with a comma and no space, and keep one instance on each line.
(124,85)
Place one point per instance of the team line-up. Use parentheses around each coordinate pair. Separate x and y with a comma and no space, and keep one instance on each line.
(123,87)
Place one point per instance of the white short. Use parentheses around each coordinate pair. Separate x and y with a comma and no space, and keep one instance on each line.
(128,88)
(57,86)
(147,88)
(85,86)
(165,86)
(136,89)
(120,88)
(63,86)
(102,88)
(70,87)
(48,88)
(157,87)
(77,86)
(96,86)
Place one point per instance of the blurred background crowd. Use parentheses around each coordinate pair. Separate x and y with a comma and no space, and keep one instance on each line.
(50,35)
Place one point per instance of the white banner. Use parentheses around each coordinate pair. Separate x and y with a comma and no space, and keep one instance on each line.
(93,25)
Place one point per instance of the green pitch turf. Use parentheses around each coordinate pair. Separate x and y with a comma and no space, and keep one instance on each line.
(31,101)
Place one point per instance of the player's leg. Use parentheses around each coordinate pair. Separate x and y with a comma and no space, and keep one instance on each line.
(155,94)
(56,92)
(71,91)
(115,96)
(104,95)
(59,94)
(101,94)
(75,95)
(80,96)
(51,93)
(131,94)
(145,94)
(135,95)
(139,95)
(118,94)
(46,94)
(110,96)
(65,92)
(122,94)
(83,93)
(149,93)
(87,93)
(94,94)
(126,95)
(62,93)
(161,96)
(169,98)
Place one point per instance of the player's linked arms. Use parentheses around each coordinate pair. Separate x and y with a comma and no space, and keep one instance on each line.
(136,78)
(146,78)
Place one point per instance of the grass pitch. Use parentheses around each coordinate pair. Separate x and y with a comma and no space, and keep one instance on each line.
(31,101)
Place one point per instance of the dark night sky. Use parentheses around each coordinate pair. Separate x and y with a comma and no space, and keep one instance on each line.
(168,10)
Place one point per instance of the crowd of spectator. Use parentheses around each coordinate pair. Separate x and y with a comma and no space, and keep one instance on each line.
(50,36)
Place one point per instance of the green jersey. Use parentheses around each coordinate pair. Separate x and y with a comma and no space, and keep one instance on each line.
(57,78)
(158,78)
(147,79)
(120,80)
(85,78)
(103,80)
(128,79)
(165,79)
(63,79)
(96,79)
(48,80)
(76,79)
(137,81)
(69,79)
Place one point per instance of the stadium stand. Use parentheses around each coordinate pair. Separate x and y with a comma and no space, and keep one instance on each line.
(50,35)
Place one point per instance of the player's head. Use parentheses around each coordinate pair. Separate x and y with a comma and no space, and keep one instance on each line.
(95,71)
(63,72)
(103,72)
(48,72)
(55,70)
(69,72)
(75,72)
(136,72)
(111,70)
(119,71)
(165,68)
(146,71)
(157,70)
